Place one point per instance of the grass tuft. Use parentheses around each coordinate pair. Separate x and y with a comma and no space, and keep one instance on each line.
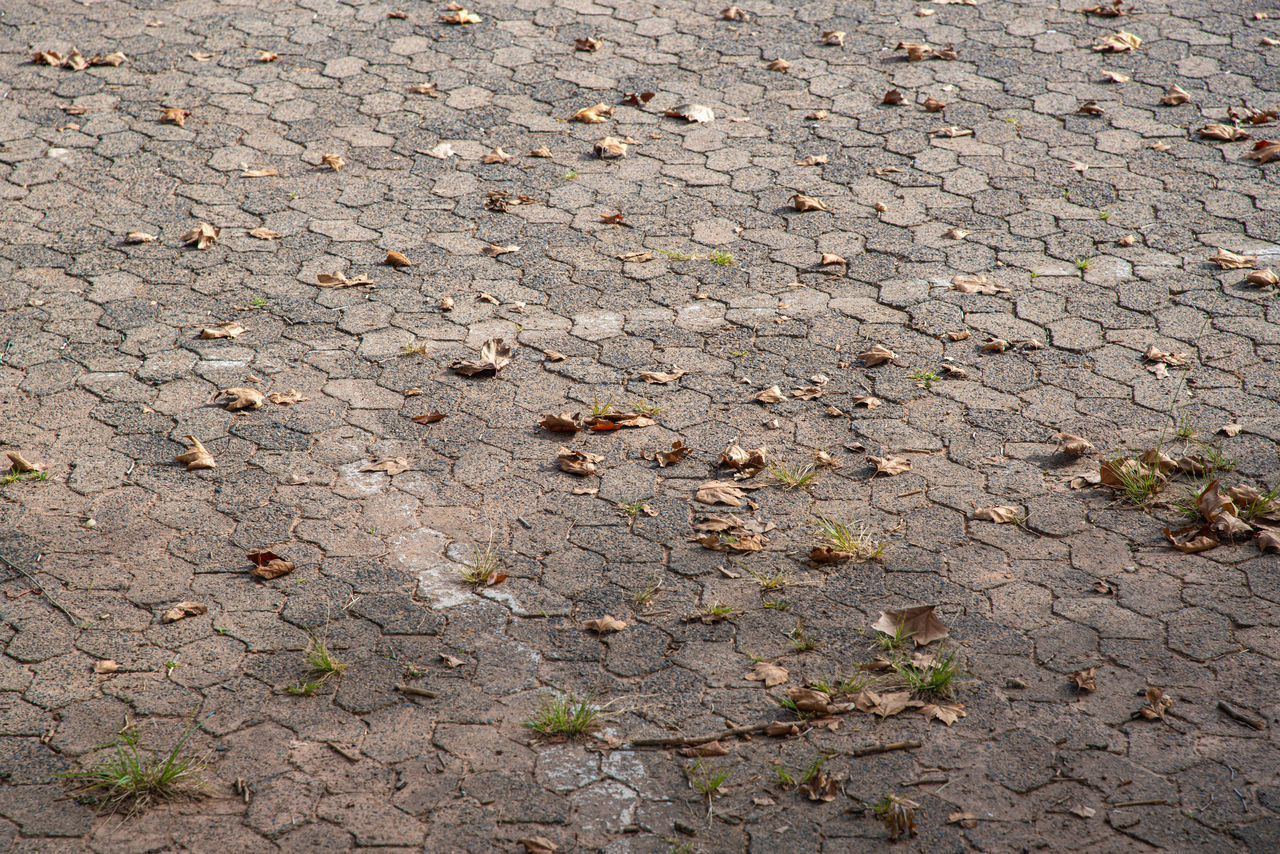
(935,680)
(136,777)
(794,477)
(565,715)
(854,539)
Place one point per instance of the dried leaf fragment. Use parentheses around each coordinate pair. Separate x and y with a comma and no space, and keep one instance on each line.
(174,116)
(538,845)
(1104,11)
(1084,679)
(802,202)
(877,354)
(995,345)
(243,398)
(230,329)
(202,236)
(1175,96)
(425,89)
(771,675)
(956,234)
(933,105)
(580,463)
(267,56)
(396,259)
(495,354)
(20,464)
(286,398)
(269,565)
(587,44)
(772,394)
(1263,278)
(1264,151)
(391,465)
(1000,514)
(264,233)
(604,625)
(563,423)
(677,453)
(1154,354)
(830,259)
(1157,703)
(1192,538)
(720,492)
(892,98)
(461,17)
(812,160)
(662,378)
(1091,108)
(594,114)
(139,237)
(899,816)
(333,161)
(260,173)
(733,13)
(1231,261)
(182,610)
(428,418)
(1118,42)
(610,147)
(779,64)
(1073,445)
(496,156)
(890,465)
(338,279)
(493,250)
(975,284)
(920,623)
(948,713)
(106,665)
(692,113)
(198,457)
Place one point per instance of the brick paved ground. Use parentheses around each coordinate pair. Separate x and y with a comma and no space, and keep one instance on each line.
(104,372)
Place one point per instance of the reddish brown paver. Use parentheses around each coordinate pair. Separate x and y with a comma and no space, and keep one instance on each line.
(104,373)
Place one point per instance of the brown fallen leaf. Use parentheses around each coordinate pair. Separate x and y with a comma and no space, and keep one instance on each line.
(286,398)
(174,116)
(139,237)
(890,465)
(1090,108)
(884,704)
(604,625)
(951,132)
(636,99)
(867,401)
(425,89)
(1000,515)
(391,465)
(562,423)
(919,623)
(733,13)
(428,418)
(899,816)
(1264,151)
(493,250)
(580,463)
(821,787)
(1127,240)
(710,748)
(1268,540)
(948,713)
(1231,261)
(265,234)
(594,114)
(495,156)
(610,147)
(538,845)
(964,819)
(267,56)
(105,666)
(338,279)
(1157,704)
(1263,278)
(780,65)
(198,457)
(269,565)
(1192,538)
(677,453)
(835,38)
(770,674)
(396,259)
(1118,42)
(1160,146)
(720,492)
(488,297)
(772,394)
(460,17)
(933,105)
(812,160)
(1154,354)
(1104,11)
(807,393)
(587,44)
(243,398)
(962,335)
(662,378)
(495,354)
(995,345)
(21,465)
(976,284)
(692,113)
(202,236)
(1175,96)
(333,161)
(832,260)
(1072,445)
(956,234)
(554,356)
(747,463)
(227,330)
(618,420)
(893,98)
(877,355)
(1084,679)
(802,202)
(182,610)
(259,173)
(636,257)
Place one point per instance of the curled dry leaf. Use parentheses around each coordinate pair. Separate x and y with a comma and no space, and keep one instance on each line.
(677,453)
(877,355)
(802,202)
(809,393)
(460,17)
(956,234)
(810,699)
(202,236)
(948,713)
(538,845)
(227,330)
(562,423)
(269,565)
(962,335)
(604,625)
(1231,261)
(886,704)
(396,259)
(636,257)
(692,113)
(587,44)
(260,173)
(139,237)
(893,98)
(835,38)
(890,465)
(951,132)
(1154,354)
(779,64)
(333,161)
(1000,514)
(1263,278)
(611,147)
(428,418)
(720,492)
(661,378)
(748,463)
(772,394)
(580,463)
(106,665)
(1264,151)
(264,233)
(286,398)
(1157,704)
(1175,96)
(391,465)
(425,89)
(594,114)
(618,420)
(1104,11)
(637,99)
(771,675)
(1118,42)
(1192,538)
(736,540)
(440,151)
(267,56)
(995,345)
(867,401)
(541,151)
(174,116)
(733,13)
(964,819)
(198,457)
(496,156)
(1127,240)
(1268,540)
(831,260)
(1084,679)
(933,105)
(495,354)
(920,624)
(1073,445)
(1091,108)
(243,398)
(978,284)
(821,787)
(899,816)
(711,748)
(493,250)
(812,160)
(182,610)
(338,279)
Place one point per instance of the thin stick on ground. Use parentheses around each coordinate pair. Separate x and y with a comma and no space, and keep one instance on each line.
(45,593)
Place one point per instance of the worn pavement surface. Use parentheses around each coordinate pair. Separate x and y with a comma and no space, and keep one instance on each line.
(103,374)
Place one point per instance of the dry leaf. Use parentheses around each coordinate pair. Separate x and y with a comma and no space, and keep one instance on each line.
(487,297)
(1263,278)
(637,99)
(494,251)
(720,492)
(1175,96)
(899,816)
(948,713)
(265,234)
(227,330)
(821,787)
(877,355)
(813,160)
(1160,146)
(1084,679)
(733,13)
(677,453)
(578,462)
(1000,514)
(451,661)
(1118,42)
(995,345)
(1153,354)
(710,748)
(885,705)
(956,234)
(588,44)
(1268,540)
(618,420)
(1264,151)
(428,418)
(440,151)
(770,674)
(660,378)
(1115,77)
(867,401)
(267,56)
(772,394)
(496,156)
(1127,240)
(395,259)
(425,89)
(202,236)
(807,203)
(538,845)
(748,463)
(259,173)
(542,151)
(832,260)
(610,147)
(1090,108)
(594,114)
(951,132)
(692,113)
(339,280)
(964,819)
(139,237)
(890,465)
(495,354)
(1157,704)
(1231,261)
(562,423)
(604,625)
(1192,538)
(962,335)
(918,623)
(809,393)
(286,398)
(198,457)
(106,665)
(461,16)
(244,398)
(933,105)
(833,37)
(967,284)
(391,465)
(269,565)
(554,356)
(1104,11)
(779,64)
(174,116)
(1072,445)
(182,610)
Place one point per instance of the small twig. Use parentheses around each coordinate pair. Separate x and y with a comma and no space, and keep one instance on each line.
(926,781)
(39,587)
(686,741)
(1241,715)
(872,749)
(416,692)
(1149,803)
(345,752)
